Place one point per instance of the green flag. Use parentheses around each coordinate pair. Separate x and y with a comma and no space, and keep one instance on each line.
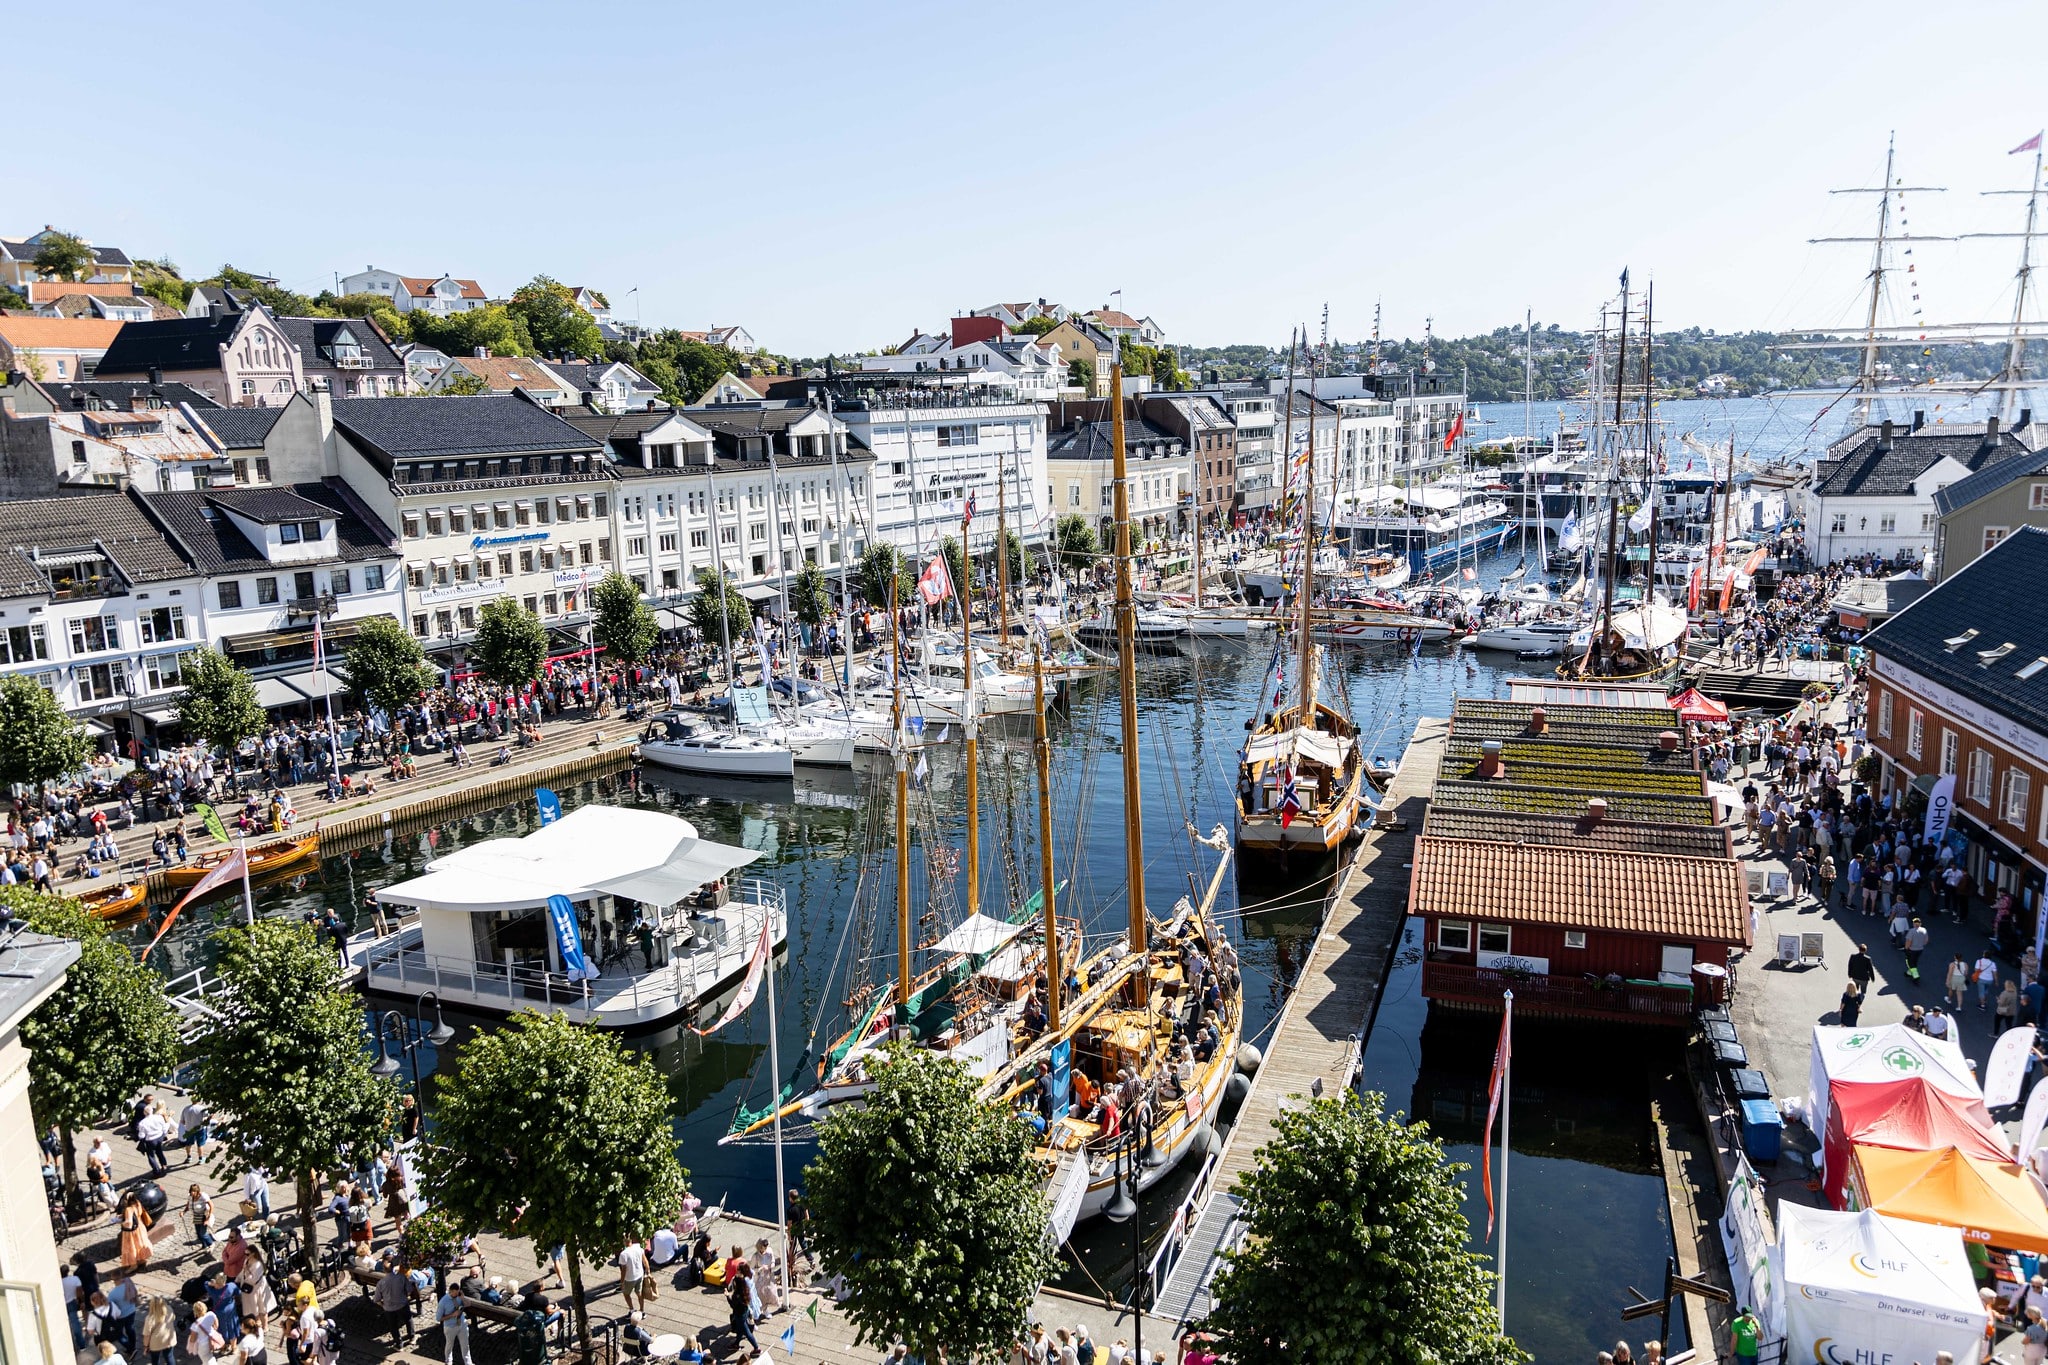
(213,824)
(813,1311)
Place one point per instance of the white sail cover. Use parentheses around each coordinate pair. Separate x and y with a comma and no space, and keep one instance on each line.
(1647,628)
(977,934)
(1299,743)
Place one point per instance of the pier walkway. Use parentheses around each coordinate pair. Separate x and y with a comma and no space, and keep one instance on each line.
(1322,1027)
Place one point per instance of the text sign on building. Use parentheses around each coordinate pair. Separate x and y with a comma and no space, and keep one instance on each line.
(525,537)
(1513,962)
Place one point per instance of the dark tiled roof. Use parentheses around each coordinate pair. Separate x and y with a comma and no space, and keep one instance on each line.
(1988,480)
(111,520)
(242,428)
(486,424)
(218,547)
(122,393)
(1996,600)
(625,427)
(173,344)
(1865,466)
(315,338)
(1096,441)
(1506,827)
(1580,888)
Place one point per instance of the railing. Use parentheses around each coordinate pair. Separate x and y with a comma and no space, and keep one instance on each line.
(1177,1229)
(1573,994)
(719,946)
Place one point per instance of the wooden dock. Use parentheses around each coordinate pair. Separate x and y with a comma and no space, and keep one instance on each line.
(1322,1027)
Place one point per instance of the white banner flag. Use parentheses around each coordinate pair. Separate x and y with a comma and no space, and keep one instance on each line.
(2033,1121)
(750,987)
(2006,1072)
(1941,800)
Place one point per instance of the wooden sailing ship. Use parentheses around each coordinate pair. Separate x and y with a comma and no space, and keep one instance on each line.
(270,856)
(1301,779)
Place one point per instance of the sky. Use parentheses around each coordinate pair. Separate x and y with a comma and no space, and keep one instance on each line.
(833,177)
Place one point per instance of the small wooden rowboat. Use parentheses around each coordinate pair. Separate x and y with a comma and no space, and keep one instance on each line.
(115,902)
(272,855)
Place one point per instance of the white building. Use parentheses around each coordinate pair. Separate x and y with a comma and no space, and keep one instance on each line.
(1253,410)
(935,445)
(442,295)
(150,447)
(1080,468)
(1035,370)
(1424,407)
(32,1310)
(1874,493)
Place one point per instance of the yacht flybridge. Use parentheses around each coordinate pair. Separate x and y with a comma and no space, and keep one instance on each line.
(655,923)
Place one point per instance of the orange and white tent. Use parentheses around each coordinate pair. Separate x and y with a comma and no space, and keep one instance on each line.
(1993,1202)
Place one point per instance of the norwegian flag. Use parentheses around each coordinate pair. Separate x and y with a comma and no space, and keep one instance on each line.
(967,518)
(1495,1088)
(1290,798)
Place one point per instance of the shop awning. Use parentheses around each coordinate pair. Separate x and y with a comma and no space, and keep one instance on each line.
(760,592)
(277,692)
(321,682)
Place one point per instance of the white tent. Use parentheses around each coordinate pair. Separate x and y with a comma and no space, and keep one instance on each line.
(1885,1052)
(1861,1286)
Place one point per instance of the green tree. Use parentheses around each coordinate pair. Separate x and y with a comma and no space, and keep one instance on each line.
(462,384)
(378,309)
(510,645)
(220,704)
(38,742)
(620,622)
(1357,1248)
(552,1130)
(929,1203)
(161,280)
(810,596)
(1074,542)
(554,322)
(280,1060)
(1080,374)
(283,302)
(64,256)
(878,568)
(494,328)
(714,589)
(105,1034)
(386,665)
(1034,327)
(683,366)
(1021,562)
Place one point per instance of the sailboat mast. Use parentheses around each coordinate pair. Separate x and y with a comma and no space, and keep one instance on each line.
(1127,676)
(1614,483)
(1003,552)
(900,745)
(732,701)
(1042,748)
(973,724)
(2016,349)
(1529,426)
(1195,502)
(1649,454)
(1866,379)
(845,596)
(1727,506)
(1307,716)
(1287,466)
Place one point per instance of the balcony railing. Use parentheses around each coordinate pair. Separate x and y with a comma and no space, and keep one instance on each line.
(1575,996)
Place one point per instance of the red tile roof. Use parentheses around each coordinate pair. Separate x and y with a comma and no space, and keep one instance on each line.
(1701,899)
(64,334)
(45,291)
(420,286)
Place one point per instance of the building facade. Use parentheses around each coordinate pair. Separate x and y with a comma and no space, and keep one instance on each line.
(441,296)
(240,360)
(1972,515)
(1080,469)
(1959,690)
(1875,491)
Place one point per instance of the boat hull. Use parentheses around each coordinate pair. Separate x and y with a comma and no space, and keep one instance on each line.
(115,902)
(764,760)
(272,856)
(1524,641)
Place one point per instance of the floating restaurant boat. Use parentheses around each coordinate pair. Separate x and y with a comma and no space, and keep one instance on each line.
(270,856)
(486,938)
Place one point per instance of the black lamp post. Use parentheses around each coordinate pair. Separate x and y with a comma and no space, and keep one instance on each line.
(1136,1151)
(393,1026)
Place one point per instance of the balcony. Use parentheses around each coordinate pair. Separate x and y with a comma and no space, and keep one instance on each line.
(1559,997)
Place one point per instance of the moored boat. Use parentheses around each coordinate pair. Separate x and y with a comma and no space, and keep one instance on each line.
(265,858)
(116,902)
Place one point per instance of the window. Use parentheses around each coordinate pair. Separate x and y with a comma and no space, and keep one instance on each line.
(583,509)
(700,540)
(458,520)
(462,568)
(95,634)
(102,682)
(262,469)
(1980,776)
(543,511)
(959,435)
(1495,938)
(668,580)
(160,671)
(1884,715)
(523,513)
(728,535)
(483,566)
(230,594)
(1994,534)
(160,625)
(1574,938)
(373,577)
(1927,523)
(434,521)
(504,563)
(444,623)
(757,530)
(288,533)
(637,545)
(1948,750)
(1916,725)
(532,604)
(526,561)
(2037,496)
(1454,935)
(1073,495)
(551,604)
(337,582)
(416,575)
(78,452)
(467,615)
(419,624)
(24,644)
(564,509)
(409,525)
(2012,797)
(1888,523)
(603,503)
(1840,525)
(501,515)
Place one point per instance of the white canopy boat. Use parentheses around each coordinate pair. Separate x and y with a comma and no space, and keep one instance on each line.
(486,940)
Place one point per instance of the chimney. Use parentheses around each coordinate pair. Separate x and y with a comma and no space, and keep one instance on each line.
(481,353)
(1884,435)
(1596,810)
(1668,741)
(1490,766)
(156,376)
(2026,419)
(1919,418)
(1991,430)
(1539,720)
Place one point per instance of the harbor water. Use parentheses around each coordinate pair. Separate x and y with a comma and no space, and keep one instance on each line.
(823,839)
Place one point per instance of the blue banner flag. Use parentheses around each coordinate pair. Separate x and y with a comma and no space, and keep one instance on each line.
(1062,1077)
(569,940)
(550,806)
(788,1339)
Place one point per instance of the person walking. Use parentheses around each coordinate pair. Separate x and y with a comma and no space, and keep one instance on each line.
(1916,944)
(2007,1010)
(1862,970)
(632,1264)
(394,1296)
(136,1244)
(454,1325)
(1957,981)
(1852,1004)
(1984,972)
(160,1333)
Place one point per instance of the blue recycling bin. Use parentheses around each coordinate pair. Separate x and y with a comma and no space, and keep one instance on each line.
(1763,1130)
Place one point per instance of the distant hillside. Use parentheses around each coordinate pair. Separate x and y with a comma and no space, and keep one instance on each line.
(1685,359)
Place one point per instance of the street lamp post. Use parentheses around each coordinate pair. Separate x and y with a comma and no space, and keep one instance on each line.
(393,1026)
(1136,1151)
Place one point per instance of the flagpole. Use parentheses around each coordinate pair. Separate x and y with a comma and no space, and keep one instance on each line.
(775,1082)
(248,898)
(1500,1260)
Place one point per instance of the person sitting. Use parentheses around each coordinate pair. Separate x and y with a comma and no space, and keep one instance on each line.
(1206,1045)
(1034,1016)
(1084,1095)
(634,1335)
